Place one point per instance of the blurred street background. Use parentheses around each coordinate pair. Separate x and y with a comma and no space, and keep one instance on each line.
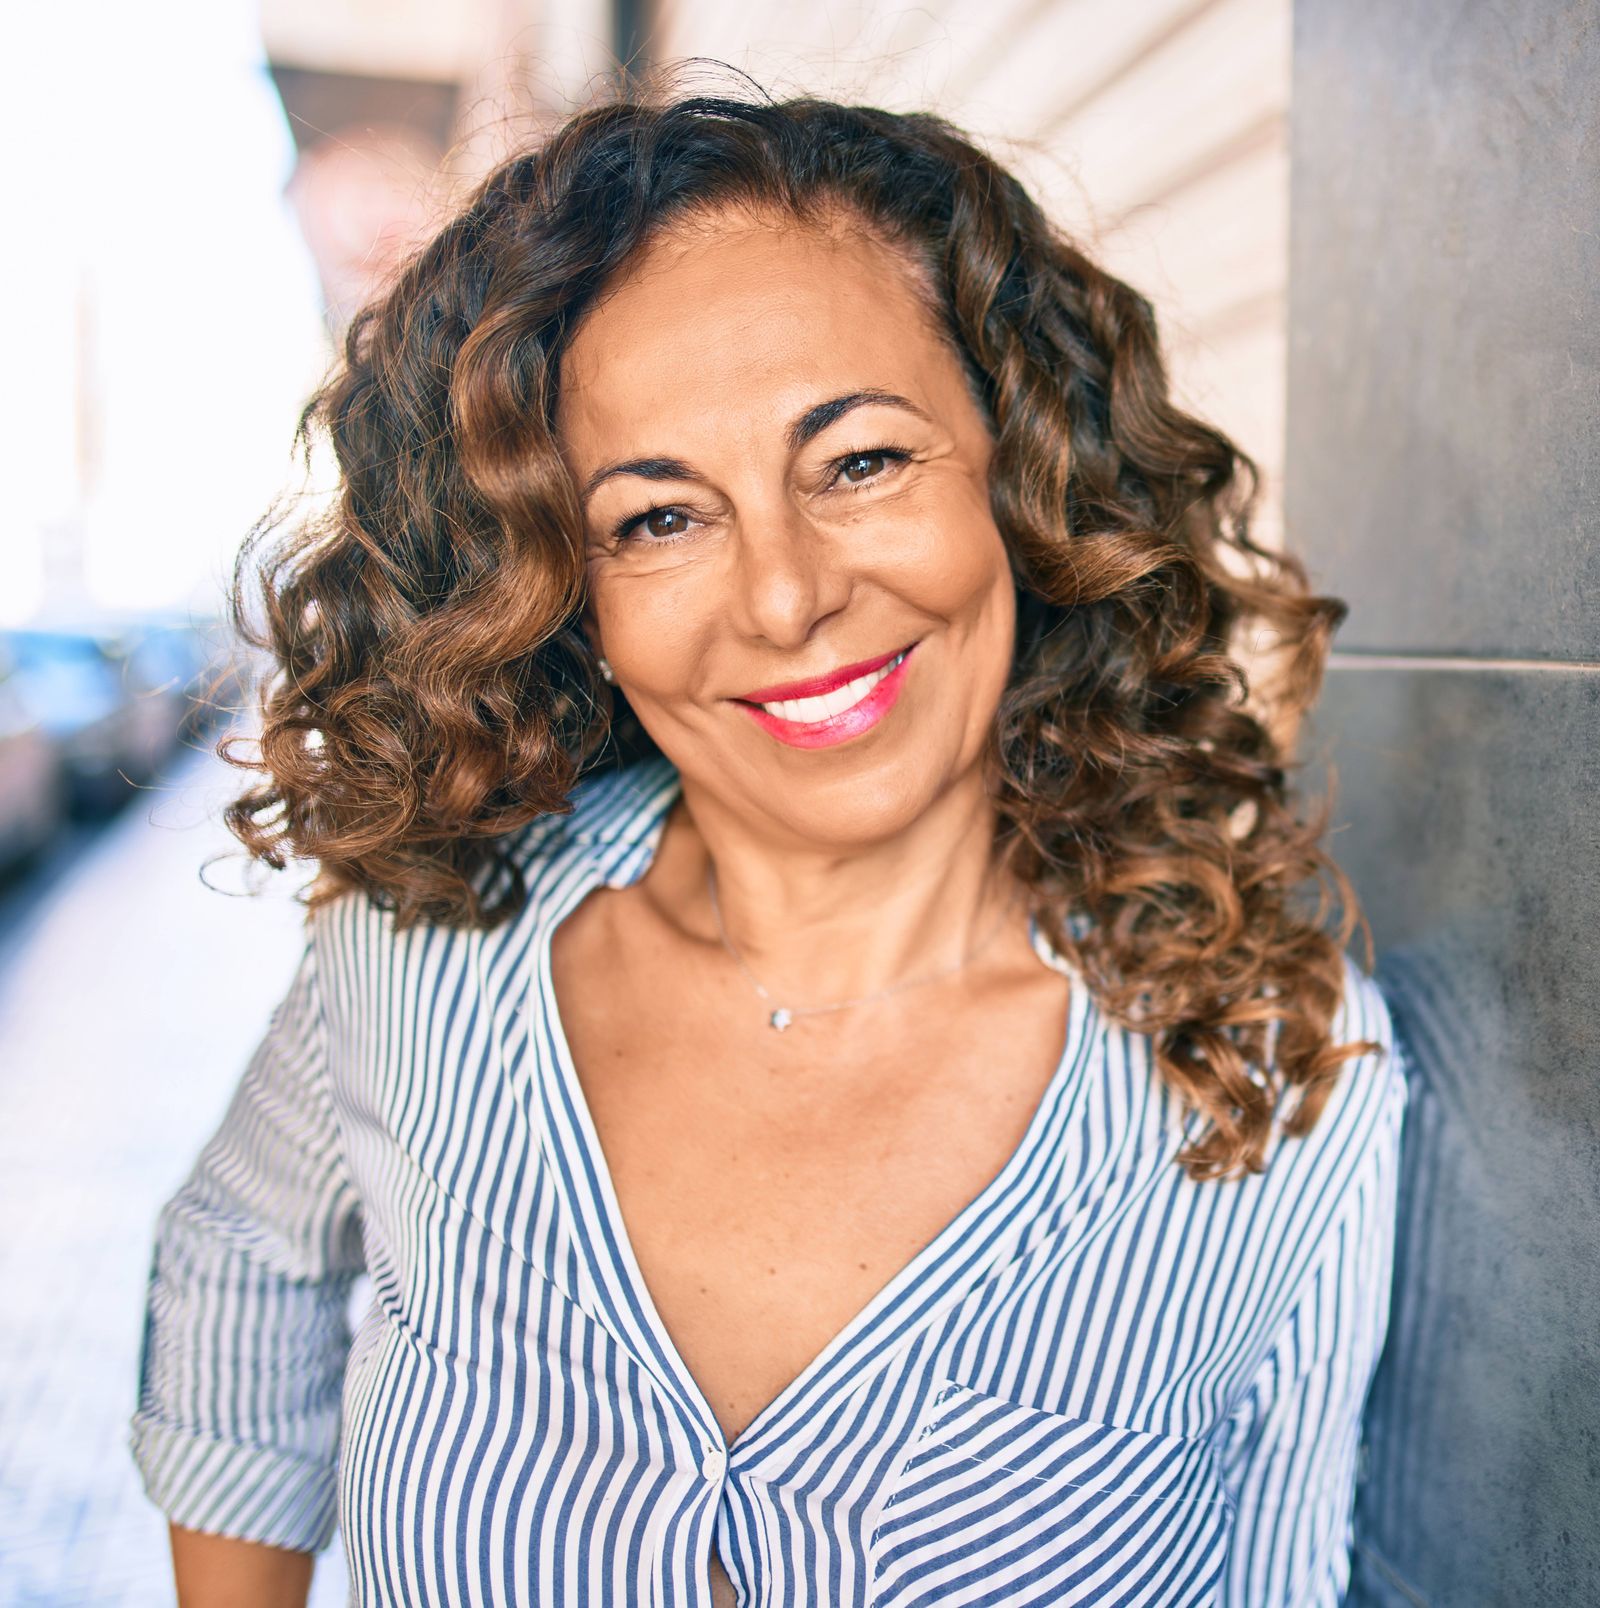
(202,192)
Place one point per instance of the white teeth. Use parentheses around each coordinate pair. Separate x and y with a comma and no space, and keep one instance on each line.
(831,704)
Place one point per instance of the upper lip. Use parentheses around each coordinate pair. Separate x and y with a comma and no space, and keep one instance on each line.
(817,685)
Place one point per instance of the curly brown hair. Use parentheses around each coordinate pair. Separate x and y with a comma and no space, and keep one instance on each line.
(434,691)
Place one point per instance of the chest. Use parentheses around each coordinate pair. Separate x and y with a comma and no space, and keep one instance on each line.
(772,1185)
(771,1188)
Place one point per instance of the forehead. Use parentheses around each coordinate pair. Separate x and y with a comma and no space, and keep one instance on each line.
(738,319)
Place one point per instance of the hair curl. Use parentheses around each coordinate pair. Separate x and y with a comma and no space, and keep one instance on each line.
(434,692)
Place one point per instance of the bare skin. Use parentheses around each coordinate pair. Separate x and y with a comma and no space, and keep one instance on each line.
(212,1571)
(773,1184)
(771,1188)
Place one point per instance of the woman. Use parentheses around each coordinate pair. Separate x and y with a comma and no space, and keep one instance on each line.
(809,1017)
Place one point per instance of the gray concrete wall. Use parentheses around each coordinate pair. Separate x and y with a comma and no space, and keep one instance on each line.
(1443,475)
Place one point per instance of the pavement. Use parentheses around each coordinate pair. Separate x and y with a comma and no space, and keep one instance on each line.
(131,996)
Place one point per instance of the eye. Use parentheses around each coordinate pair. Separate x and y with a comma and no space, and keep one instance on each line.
(861,466)
(665,524)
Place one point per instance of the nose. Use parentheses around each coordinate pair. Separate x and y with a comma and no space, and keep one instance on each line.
(789,574)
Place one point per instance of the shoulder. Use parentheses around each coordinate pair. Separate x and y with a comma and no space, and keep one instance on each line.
(1365,1112)
(614,808)
(1319,1220)
(372,967)
(1361,1114)
(608,823)
(1345,1168)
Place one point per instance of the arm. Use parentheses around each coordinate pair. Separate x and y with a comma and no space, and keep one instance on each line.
(241,1371)
(214,1571)
(1291,1461)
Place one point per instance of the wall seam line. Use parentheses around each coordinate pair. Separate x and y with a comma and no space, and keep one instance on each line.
(1358,659)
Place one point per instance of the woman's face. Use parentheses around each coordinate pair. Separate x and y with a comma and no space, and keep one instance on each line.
(785,475)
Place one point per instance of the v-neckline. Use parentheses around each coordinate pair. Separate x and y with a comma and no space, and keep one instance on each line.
(602,1237)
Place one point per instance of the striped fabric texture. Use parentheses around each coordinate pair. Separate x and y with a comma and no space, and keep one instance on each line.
(1101,1383)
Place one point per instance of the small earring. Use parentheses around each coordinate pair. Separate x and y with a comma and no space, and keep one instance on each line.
(605,669)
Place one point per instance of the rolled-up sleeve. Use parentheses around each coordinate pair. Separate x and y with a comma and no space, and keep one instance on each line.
(241,1370)
(1293,1457)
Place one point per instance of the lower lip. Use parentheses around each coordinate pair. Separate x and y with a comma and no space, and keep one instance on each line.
(859,717)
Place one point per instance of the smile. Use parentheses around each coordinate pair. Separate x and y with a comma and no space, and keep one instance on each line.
(836,716)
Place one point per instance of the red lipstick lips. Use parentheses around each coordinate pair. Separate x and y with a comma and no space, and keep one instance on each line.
(841,727)
(817,685)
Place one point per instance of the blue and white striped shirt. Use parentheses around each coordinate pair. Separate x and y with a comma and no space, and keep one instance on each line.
(1101,1383)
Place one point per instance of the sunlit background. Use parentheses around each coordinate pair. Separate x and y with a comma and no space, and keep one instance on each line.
(201,192)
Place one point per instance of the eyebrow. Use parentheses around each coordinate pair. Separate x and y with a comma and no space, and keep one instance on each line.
(643,468)
(815,420)
(800,431)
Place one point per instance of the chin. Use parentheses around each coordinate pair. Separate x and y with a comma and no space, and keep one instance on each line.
(846,806)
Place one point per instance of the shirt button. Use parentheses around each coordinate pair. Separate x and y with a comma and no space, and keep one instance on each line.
(713,1463)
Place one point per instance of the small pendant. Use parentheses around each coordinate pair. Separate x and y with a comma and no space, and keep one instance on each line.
(780,1018)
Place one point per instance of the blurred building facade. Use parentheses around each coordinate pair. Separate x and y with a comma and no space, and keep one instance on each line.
(396,108)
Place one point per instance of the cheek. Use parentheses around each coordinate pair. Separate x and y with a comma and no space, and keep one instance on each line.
(950,558)
(655,627)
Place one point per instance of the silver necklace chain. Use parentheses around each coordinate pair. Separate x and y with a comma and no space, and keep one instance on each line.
(781,1016)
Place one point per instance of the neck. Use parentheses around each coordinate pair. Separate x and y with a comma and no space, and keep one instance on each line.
(817,922)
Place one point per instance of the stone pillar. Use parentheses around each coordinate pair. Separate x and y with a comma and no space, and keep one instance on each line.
(1443,475)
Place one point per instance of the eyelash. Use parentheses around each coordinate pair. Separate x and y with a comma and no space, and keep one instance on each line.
(624,531)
